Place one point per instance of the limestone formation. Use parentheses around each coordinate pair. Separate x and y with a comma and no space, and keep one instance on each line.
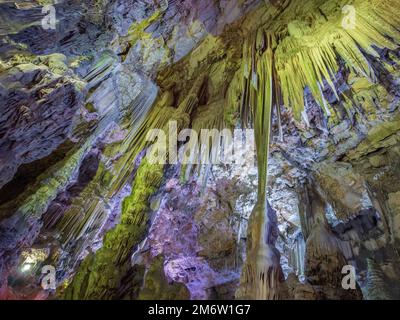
(84,104)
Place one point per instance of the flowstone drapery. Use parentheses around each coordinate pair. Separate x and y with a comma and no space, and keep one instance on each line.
(280,66)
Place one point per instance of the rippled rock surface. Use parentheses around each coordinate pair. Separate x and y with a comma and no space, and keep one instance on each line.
(76,190)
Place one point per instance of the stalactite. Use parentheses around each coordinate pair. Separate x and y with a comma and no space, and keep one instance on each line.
(111,263)
(307,57)
(277,67)
(262,273)
(304,210)
(297,256)
(279,120)
(100,274)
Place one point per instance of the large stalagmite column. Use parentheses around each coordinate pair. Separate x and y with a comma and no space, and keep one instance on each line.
(262,273)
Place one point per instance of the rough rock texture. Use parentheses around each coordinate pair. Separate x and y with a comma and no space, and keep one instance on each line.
(75,192)
(39,102)
(184,230)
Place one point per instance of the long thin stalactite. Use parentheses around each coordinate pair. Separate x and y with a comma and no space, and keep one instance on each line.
(277,68)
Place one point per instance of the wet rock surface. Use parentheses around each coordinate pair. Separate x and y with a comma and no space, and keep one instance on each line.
(72,102)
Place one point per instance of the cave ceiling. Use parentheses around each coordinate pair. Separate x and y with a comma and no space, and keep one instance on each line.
(84,83)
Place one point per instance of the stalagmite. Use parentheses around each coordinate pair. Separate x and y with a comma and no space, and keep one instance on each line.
(87,105)
(307,57)
(262,274)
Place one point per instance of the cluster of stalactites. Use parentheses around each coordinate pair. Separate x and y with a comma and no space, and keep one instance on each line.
(275,71)
(308,55)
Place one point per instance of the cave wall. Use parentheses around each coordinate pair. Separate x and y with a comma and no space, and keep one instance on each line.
(76,194)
